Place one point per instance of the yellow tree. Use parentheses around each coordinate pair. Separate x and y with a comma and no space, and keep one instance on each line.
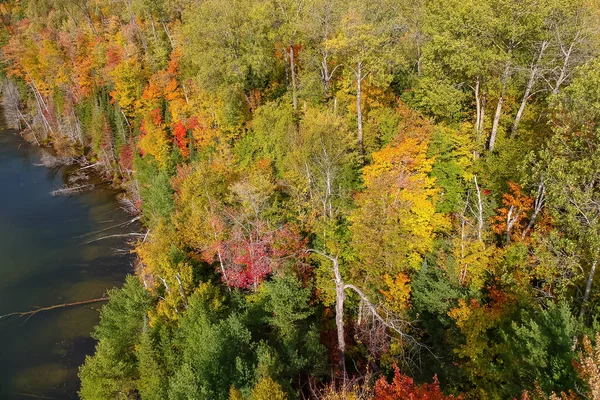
(394,223)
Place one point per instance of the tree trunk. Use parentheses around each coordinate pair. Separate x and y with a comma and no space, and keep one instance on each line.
(563,71)
(498,113)
(166,29)
(530,83)
(479,211)
(482,120)
(588,289)
(359,78)
(419,61)
(340,298)
(181,291)
(88,16)
(477,110)
(151,18)
(523,103)
(495,124)
(140,33)
(325,74)
(292,69)
(537,207)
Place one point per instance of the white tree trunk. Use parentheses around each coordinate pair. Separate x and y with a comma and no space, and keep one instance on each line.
(530,83)
(359,78)
(479,211)
(588,289)
(292,69)
(498,113)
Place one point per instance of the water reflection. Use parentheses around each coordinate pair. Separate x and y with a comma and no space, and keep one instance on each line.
(43,261)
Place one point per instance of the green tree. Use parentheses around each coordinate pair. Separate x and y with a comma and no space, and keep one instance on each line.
(112,372)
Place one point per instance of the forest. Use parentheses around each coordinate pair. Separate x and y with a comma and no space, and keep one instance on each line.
(341,199)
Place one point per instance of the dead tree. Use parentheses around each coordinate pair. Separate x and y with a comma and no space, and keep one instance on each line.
(380,313)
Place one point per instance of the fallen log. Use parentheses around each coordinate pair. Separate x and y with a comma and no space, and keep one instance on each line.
(66,190)
(31,313)
(133,234)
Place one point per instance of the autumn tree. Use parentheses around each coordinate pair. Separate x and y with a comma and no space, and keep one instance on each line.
(395,220)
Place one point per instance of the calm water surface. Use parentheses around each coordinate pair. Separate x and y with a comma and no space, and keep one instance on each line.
(44,261)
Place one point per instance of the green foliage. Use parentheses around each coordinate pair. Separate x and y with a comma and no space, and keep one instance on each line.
(151,385)
(112,371)
(451,150)
(155,190)
(233,126)
(437,97)
(322,166)
(539,349)
(217,350)
(287,307)
(271,137)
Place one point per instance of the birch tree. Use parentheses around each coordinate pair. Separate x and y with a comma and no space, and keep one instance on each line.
(571,167)
(366,52)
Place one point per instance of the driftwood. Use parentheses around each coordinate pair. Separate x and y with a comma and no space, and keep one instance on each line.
(133,234)
(31,313)
(78,177)
(128,205)
(71,190)
(122,224)
(33,395)
(49,161)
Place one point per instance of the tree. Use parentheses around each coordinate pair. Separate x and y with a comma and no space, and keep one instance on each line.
(152,382)
(455,28)
(112,371)
(229,50)
(267,389)
(322,166)
(364,49)
(403,387)
(216,347)
(539,349)
(570,165)
(512,215)
(393,224)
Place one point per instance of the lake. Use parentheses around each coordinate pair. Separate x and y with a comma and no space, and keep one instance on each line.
(48,256)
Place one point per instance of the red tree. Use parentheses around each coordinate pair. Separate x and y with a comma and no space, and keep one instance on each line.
(252,253)
(404,388)
(180,138)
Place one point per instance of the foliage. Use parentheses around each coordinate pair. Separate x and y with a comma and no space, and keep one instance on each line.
(443,153)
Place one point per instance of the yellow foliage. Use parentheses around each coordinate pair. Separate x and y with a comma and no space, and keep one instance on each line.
(235,394)
(128,78)
(473,261)
(154,141)
(268,389)
(395,219)
(398,293)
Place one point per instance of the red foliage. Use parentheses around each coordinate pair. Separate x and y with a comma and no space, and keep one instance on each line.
(126,157)
(404,388)
(113,56)
(180,138)
(250,258)
(156,116)
(249,255)
(192,123)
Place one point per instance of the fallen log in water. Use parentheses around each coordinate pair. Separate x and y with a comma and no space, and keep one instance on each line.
(70,190)
(31,313)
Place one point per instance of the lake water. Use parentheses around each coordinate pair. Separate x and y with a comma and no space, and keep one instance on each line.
(44,261)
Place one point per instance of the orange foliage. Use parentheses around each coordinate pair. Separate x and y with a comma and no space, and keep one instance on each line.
(179,136)
(404,388)
(513,216)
